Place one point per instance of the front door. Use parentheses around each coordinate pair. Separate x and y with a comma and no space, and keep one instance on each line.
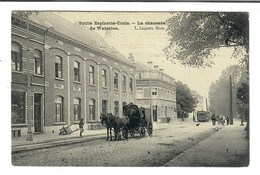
(155,113)
(37,113)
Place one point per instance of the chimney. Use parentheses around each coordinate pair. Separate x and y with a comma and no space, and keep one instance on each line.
(161,70)
(131,58)
(156,67)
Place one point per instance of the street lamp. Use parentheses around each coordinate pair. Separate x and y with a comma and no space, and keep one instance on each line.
(29,132)
(150,83)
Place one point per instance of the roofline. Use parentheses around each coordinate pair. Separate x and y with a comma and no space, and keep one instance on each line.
(91,48)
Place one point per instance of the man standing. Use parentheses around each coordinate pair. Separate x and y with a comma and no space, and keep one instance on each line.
(81,124)
(213,118)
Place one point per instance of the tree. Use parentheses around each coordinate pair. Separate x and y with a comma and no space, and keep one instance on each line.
(243,96)
(194,36)
(219,91)
(184,99)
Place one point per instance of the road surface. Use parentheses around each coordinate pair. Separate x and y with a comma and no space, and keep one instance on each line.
(162,147)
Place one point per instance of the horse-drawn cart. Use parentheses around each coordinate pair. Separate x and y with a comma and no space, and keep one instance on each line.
(139,121)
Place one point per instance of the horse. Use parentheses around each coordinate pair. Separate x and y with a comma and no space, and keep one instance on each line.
(121,123)
(108,121)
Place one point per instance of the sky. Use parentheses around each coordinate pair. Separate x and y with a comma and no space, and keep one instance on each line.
(147,45)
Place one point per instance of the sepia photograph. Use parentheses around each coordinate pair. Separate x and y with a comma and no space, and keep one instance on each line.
(129,88)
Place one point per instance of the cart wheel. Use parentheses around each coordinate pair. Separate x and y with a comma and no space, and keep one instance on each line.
(132,132)
(125,133)
(142,132)
(150,128)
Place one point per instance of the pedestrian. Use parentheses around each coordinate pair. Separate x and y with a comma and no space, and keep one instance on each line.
(194,120)
(227,118)
(81,129)
(223,120)
(213,118)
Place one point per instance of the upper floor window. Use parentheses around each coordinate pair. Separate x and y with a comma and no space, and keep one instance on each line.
(58,67)
(115,80)
(77,109)
(131,84)
(124,83)
(91,75)
(76,71)
(139,75)
(59,109)
(37,62)
(16,55)
(154,91)
(104,78)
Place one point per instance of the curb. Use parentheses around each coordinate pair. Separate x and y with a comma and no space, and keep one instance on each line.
(58,142)
(49,144)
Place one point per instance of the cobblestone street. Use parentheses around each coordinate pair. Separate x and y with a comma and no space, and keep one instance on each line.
(157,150)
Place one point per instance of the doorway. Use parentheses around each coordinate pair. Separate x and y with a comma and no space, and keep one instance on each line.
(155,113)
(37,112)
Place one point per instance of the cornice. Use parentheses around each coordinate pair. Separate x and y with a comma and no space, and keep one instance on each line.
(37,28)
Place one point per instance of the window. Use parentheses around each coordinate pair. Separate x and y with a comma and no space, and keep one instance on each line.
(116,81)
(92,109)
(77,109)
(139,93)
(104,78)
(18,107)
(124,104)
(37,62)
(59,109)
(104,106)
(58,67)
(91,75)
(116,108)
(131,84)
(154,91)
(139,75)
(76,71)
(16,55)
(124,83)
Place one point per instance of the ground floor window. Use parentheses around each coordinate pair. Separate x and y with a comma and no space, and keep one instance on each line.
(92,109)
(59,109)
(104,106)
(18,107)
(77,109)
(116,108)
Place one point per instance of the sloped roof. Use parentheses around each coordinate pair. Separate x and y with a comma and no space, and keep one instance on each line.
(85,36)
(142,66)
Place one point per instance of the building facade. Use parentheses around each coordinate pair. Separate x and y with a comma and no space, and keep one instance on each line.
(157,90)
(62,73)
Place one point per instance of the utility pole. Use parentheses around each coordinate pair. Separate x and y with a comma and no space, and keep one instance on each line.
(150,83)
(29,115)
(231,103)
(206,105)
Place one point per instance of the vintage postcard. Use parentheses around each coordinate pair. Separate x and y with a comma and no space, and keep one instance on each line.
(130,88)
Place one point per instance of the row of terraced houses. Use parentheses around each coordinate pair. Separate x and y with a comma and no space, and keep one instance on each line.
(62,73)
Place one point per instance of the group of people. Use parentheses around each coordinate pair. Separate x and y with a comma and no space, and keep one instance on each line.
(220,119)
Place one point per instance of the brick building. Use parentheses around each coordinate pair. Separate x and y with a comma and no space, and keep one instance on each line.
(62,73)
(157,89)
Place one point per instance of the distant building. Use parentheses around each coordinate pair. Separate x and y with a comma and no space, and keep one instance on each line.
(155,88)
(200,104)
(69,74)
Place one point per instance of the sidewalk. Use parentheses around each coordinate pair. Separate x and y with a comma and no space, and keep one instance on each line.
(50,140)
(226,148)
